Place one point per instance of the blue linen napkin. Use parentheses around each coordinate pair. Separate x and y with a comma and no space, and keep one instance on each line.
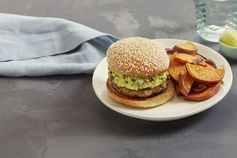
(38,46)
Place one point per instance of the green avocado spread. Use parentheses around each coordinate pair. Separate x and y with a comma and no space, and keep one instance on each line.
(136,83)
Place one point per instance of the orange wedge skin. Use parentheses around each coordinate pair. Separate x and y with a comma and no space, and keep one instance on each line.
(207,94)
(186,58)
(177,89)
(172,58)
(205,74)
(185,83)
(203,63)
(187,47)
(176,69)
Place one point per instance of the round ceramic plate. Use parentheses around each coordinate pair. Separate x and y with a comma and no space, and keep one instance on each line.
(177,107)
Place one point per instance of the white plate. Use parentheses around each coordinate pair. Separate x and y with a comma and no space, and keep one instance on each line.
(177,107)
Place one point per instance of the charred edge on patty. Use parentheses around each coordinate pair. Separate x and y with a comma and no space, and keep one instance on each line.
(142,93)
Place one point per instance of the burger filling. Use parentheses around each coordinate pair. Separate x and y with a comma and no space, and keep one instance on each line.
(141,87)
(137,83)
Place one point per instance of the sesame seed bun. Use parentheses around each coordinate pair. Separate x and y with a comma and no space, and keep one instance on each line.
(137,56)
(141,103)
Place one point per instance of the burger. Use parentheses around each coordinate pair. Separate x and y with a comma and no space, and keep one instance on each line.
(137,73)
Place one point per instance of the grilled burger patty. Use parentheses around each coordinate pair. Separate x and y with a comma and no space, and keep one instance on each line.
(142,93)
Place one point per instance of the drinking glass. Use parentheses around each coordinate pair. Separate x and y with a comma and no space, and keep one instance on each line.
(213,17)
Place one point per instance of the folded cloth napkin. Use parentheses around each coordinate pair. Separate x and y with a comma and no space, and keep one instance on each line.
(38,46)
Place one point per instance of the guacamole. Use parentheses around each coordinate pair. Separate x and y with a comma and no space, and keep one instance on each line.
(136,83)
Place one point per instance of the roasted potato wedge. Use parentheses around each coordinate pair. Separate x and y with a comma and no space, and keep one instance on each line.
(177,89)
(208,93)
(203,63)
(205,74)
(186,58)
(172,58)
(176,69)
(195,77)
(185,83)
(187,47)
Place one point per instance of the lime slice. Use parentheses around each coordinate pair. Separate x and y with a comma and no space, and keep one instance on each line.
(229,37)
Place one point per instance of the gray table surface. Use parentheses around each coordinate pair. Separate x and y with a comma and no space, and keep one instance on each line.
(60,116)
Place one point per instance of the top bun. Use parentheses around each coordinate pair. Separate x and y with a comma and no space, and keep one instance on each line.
(137,56)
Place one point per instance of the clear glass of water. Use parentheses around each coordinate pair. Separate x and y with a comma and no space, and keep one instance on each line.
(213,17)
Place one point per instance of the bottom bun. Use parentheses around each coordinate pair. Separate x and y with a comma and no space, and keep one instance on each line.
(141,103)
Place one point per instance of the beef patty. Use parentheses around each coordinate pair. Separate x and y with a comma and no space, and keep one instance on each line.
(142,93)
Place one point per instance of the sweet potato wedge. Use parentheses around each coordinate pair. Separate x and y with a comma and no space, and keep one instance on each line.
(177,89)
(172,57)
(205,74)
(208,93)
(203,63)
(176,69)
(187,47)
(185,83)
(186,58)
